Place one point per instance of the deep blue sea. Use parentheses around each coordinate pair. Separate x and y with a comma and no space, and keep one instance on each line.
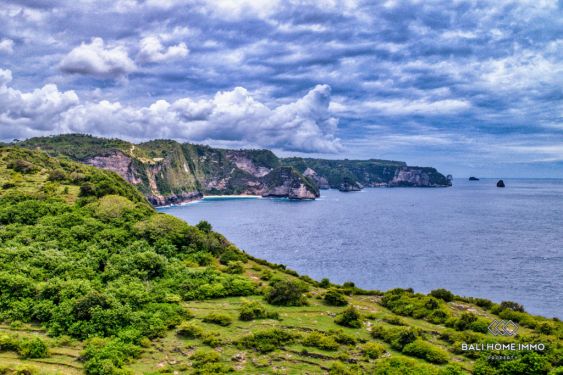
(474,239)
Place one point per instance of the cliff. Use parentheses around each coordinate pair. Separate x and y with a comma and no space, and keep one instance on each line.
(168,172)
(353,175)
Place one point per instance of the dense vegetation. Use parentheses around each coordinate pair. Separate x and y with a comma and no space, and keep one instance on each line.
(94,280)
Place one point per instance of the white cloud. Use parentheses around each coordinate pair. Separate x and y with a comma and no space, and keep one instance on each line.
(5,77)
(31,113)
(420,106)
(304,125)
(152,50)
(7,46)
(98,59)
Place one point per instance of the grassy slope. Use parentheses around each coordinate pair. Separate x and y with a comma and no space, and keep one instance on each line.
(166,351)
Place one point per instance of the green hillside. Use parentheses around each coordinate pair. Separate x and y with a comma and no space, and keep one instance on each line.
(93,280)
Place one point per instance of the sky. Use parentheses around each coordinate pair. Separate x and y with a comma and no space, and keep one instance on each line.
(468,87)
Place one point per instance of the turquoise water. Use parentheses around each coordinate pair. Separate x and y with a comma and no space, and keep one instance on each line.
(473,238)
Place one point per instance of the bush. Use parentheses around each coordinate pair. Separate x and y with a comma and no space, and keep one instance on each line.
(397,337)
(334,298)
(22,166)
(286,293)
(338,368)
(268,340)
(320,340)
(512,306)
(235,267)
(442,294)
(107,356)
(349,318)
(341,337)
(426,351)
(190,330)
(251,310)
(232,254)
(373,350)
(33,348)
(219,319)
(324,283)
(9,343)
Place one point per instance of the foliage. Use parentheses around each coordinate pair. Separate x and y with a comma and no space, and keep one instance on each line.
(419,306)
(285,292)
(427,351)
(190,330)
(218,318)
(442,294)
(251,310)
(33,348)
(373,350)
(320,340)
(349,318)
(267,340)
(397,337)
(334,298)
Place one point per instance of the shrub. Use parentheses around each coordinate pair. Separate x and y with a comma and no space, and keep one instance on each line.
(235,267)
(320,340)
(213,339)
(397,337)
(268,340)
(427,351)
(204,226)
(219,319)
(334,298)
(324,283)
(286,293)
(512,306)
(338,368)
(341,337)
(394,320)
(232,254)
(349,318)
(9,343)
(190,330)
(33,348)
(373,350)
(251,310)
(442,294)
(22,166)
(107,356)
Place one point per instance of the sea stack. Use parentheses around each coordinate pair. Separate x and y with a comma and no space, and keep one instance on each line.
(500,183)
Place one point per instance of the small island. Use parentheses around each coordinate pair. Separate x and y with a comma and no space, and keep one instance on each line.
(473,178)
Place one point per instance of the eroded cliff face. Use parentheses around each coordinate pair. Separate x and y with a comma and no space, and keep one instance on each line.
(286,182)
(320,181)
(117,162)
(177,177)
(418,177)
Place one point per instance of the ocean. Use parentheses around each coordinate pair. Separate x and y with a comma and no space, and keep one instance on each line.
(473,238)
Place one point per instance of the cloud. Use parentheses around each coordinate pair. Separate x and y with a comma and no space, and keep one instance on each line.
(152,50)
(7,46)
(98,60)
(405,107)
(5,77)
(305,125)
(29,113)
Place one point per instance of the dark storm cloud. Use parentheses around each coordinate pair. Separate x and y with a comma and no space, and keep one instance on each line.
(407,79)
